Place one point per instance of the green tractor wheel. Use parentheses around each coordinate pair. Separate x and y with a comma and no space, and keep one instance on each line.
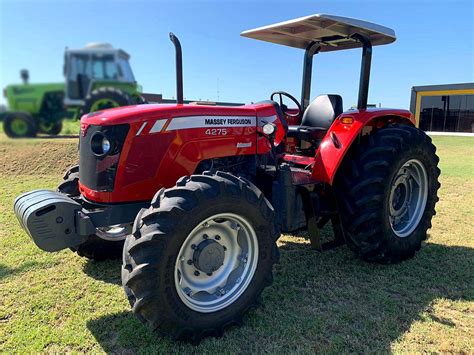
(51,128)
(102,104)
(140,100)
(106,97)
(20,124)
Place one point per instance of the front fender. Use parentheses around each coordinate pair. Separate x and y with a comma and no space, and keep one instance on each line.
(340,136)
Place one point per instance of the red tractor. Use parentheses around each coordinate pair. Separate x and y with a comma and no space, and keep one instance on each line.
(196,196)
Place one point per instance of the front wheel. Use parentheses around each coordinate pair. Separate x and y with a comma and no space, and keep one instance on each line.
(20,125)
(387,191)
(51,128)
(200,255)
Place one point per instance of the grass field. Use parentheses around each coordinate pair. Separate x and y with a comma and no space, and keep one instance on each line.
(328,302)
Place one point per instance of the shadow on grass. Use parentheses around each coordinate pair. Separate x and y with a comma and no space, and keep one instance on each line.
(6,271)
(106,271)
(327,302)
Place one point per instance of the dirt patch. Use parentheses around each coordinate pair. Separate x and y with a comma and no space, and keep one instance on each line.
(37,157)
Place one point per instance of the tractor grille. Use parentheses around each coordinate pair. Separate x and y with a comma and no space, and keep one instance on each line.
(98,172)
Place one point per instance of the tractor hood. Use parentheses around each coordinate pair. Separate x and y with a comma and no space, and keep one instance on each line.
(151,146)
(20,89)
(138,113)
(29,97)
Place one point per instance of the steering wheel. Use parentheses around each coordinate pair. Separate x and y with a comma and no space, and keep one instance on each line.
(284,108)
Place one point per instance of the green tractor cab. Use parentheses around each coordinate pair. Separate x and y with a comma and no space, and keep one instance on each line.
(97,77)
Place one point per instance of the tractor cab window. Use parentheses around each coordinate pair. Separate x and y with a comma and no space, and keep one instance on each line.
(79,65)
(78,75)
(125,71)
(104,67)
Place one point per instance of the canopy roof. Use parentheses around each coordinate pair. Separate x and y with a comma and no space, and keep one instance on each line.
(333,32)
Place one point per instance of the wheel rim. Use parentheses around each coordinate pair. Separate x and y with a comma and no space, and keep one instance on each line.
(113,233)
(19,126)
(46,127)
(216,262)
(103,104)
(408,196)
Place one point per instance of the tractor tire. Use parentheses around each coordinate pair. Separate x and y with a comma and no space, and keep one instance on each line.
(53,129)
(228,269)
(70,184)
(387,191)
(20,125)
(94,248)
(106,97)
(140,100)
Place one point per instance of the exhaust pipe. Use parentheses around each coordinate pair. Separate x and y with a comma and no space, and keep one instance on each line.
(25,76)
(179,68)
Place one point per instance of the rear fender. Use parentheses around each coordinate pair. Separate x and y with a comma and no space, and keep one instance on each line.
(340,137)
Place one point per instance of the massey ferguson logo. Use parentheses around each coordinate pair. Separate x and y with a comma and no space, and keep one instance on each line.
(84,127)
(227,121)
(190,122)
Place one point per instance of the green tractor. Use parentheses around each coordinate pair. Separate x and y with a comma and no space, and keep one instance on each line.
(97,77)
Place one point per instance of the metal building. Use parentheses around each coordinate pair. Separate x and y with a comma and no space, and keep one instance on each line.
(444,108)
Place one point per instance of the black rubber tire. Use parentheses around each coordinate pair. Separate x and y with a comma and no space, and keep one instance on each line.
(158,233)
(140,100)
(93,248)
(54,130)
(122,98)
(70,184)
(363,188)
(32,127)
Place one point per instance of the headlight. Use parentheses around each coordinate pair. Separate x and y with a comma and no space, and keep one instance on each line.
(101,145)
(105,145)
(269,129)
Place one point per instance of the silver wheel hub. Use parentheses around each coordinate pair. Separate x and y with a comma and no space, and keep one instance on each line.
(408,196)
(216,262)
(113,233)
(208,256)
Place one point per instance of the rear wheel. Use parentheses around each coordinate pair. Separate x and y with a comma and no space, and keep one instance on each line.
(107,243)
(51,128)
(106,97)
(200,256)
(387,193)
(19,125)
(140,100)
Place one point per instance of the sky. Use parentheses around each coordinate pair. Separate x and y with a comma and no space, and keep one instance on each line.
(435,45)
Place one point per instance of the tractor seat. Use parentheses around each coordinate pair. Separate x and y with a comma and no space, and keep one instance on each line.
(317,118)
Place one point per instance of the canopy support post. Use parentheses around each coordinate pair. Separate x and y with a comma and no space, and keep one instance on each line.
(312,49)
(364,70)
